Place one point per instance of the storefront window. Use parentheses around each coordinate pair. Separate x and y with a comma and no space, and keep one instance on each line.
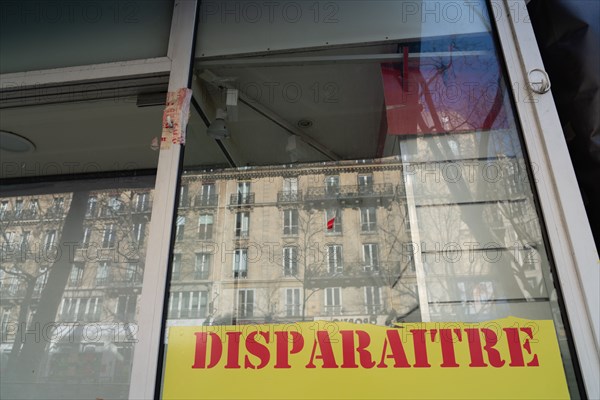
(72,247)
(395,170)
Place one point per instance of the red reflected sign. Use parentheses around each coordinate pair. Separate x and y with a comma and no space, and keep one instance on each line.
(455,92)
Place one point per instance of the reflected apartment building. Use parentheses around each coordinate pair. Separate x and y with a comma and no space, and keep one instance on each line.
(95,300)
(292,243)
(357,241)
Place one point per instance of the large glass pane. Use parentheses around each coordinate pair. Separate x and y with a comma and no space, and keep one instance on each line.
(73,247)
(395,170)
(39,34)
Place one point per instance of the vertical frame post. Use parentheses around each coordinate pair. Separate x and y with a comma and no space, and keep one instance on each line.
(146,352)
(569,233)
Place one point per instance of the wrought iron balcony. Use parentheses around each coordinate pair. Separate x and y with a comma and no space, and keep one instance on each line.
(8,291)
(201,275)
(332,310)
(23,215)
(354,275)
(145,207)
(206,201)
(55,213)
(241,199)
(289,197)
(351,194)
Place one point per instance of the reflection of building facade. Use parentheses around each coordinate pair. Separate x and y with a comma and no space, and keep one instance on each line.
(288,244)
(332,241)
(98,305)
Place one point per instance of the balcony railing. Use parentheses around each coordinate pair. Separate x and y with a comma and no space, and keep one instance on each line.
(355,274)
(10,291)
(349,192)
(240,274)
(55,213)
(145,207)
(241,199)
(22,215)
(289,197)
(206,201)
(201,275)
(332,310)
(117,281)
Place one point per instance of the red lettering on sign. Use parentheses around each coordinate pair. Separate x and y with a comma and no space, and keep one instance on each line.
(397,351)
(216,349)
(257,349)
(324,343)
(282,347)
(349,351)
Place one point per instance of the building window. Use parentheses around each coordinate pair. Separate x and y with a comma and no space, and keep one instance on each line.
(133,274)
(34,207)
(371,257)
(365,183)
(3,208)
(109,237)
(290,222)
(76,276)
(243,193)
(126,305)
(293,304)
(80,309)
(242,221)
(8,239)
(18,208)
(139,232)
(180,228)
(245,303)
(4,324)
(24,245)
(240,263)
(102,273)
(115,205)
(183,196)
(333,301)
(58,205)
(176,271)
(202,267)
(13,286)
(87,235)
(368,219)
(142,202)
(373,300)
(187,305)
(50,239)
(41,280)
(332,184)
(205,226)
(208,195)
(333,220)
(334,259)
(290,185)
(91,210)
(290,261)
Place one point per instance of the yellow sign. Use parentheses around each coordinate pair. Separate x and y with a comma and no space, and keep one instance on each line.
(502,359)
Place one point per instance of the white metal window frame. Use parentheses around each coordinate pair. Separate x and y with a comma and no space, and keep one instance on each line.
(569,234)
(571,241)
